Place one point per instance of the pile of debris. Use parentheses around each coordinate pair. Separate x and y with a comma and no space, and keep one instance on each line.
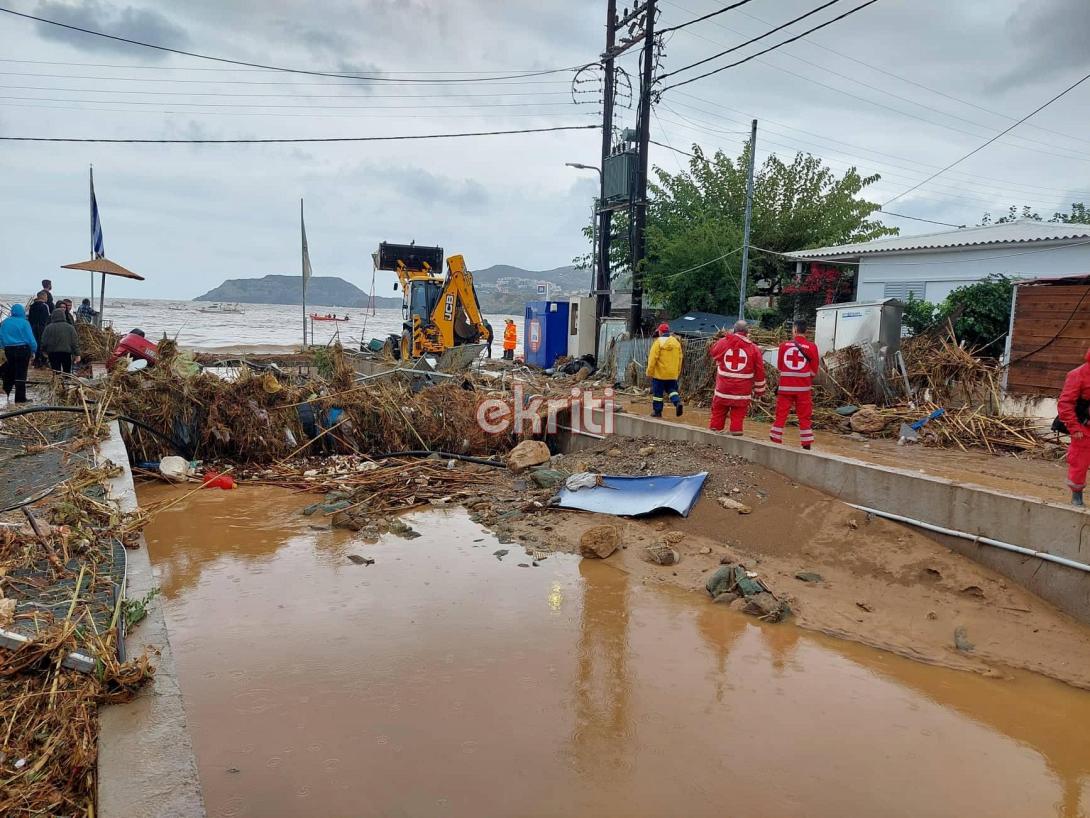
(61,616)
(268,416)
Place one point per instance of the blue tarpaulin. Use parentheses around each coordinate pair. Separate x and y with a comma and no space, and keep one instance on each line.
(633,496)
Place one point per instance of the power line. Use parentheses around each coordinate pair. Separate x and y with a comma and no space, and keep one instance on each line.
(702,18)
(885,212)
(770,48)
(359,84)
(265,67)
(232,70)
(403,137)
(236,105)
(752,40)
(979,148)
(904,79)
(986,127)
(918,219)
(127,91)
(993,188)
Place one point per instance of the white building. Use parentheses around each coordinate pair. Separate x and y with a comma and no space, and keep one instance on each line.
(929,266)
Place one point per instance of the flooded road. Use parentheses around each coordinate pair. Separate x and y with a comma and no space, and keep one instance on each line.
(442,681)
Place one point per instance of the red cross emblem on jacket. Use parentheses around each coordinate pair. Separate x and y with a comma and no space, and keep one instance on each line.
(739,368)
(797,361)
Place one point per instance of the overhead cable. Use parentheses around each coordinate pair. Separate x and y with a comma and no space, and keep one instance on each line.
(979,148)
(370,77)
(704,17)
(752,40)
(275,141)
(766,50)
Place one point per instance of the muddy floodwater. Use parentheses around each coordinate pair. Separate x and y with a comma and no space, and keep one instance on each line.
(443,681)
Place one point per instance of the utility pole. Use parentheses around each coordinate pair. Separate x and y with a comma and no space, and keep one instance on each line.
(601,281)
(639,220)
(748,222)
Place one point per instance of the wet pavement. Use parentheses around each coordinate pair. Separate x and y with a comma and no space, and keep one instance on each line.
(442,681)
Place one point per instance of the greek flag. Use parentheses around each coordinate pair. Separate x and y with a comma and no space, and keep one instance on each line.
(97,249)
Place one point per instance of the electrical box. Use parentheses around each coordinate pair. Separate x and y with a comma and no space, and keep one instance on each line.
(581,326)
(545,332)
(620,176)
(860,323)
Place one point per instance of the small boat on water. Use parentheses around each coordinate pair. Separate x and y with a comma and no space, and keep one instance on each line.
(330,317)
(226,309)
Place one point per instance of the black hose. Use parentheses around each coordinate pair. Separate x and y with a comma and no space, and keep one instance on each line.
(449,455)
(178,445)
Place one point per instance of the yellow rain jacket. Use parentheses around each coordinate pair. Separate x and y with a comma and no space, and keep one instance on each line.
(664,359)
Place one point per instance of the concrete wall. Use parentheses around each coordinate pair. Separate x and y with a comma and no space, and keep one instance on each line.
(933,274)
(146,764)
(1027,522)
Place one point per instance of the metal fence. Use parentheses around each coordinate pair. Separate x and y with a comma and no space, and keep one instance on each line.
(627,363)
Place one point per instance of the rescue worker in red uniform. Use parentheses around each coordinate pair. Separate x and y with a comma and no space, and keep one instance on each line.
(740,374)
(797,362)
(1074,411)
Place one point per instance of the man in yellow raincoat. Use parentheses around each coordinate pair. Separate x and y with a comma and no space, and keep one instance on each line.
(664,369)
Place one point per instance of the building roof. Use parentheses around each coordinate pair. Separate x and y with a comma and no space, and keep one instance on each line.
(1022,231)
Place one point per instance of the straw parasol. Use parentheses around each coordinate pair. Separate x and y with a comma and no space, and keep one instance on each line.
(107,268)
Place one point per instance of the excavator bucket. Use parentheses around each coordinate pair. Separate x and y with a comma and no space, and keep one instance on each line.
(413,256)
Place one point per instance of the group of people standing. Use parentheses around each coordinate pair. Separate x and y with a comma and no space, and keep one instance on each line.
(44,332)
(740,377)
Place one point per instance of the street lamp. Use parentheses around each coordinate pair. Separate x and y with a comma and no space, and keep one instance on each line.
(599,282)
(593,224)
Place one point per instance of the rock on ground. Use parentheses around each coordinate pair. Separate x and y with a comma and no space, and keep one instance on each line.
(527,454)
(599,541)
(868,420)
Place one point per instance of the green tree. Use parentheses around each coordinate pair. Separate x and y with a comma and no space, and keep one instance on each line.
(918,315)
(1077,215)
(981,313)
(696,216)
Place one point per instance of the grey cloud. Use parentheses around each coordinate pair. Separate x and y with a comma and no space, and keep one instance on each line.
(130,22)
(420,185)
(1054,34)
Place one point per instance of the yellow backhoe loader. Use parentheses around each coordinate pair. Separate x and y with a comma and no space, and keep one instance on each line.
(439,312)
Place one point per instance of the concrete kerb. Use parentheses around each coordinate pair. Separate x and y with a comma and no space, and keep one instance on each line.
(1024,521)
(146,763)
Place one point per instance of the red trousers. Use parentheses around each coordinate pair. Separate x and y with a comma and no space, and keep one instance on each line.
(803,403)
(1078,461)
(737,410)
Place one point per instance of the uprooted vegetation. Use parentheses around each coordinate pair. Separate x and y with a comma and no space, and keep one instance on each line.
(60,572)
(269,415)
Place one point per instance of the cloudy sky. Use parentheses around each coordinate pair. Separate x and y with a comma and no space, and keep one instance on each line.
(901,88)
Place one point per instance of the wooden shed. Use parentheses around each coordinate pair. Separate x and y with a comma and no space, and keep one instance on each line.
(1050,333)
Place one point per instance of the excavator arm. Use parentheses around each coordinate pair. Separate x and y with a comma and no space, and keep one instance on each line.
(458,313)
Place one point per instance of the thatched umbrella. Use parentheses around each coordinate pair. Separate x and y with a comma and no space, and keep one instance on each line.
(107,268)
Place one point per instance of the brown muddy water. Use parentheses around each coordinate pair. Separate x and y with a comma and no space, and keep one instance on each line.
(442,681)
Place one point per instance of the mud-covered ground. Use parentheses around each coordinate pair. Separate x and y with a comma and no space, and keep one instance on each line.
(882,584)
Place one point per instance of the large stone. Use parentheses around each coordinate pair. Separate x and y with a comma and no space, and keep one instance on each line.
(663,554)
(599,541)
(548,478)
(527,454)
(868,420)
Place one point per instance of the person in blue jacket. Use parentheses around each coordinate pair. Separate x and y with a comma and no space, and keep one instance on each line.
(19,344)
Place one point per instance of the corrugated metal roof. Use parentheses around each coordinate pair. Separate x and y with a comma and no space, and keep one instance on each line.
(1022,231)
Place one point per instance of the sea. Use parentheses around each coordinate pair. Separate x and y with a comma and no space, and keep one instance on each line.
(258,328)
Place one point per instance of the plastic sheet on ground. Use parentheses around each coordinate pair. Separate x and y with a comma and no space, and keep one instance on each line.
(635,496)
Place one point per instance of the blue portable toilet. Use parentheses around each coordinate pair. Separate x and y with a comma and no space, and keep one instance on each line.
(545,333)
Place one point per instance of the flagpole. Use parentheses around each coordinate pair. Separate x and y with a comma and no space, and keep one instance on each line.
(303,269)
(91,208)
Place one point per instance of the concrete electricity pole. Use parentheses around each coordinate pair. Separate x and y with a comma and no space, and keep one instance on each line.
(639,221)
(601,281)
(748,222)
